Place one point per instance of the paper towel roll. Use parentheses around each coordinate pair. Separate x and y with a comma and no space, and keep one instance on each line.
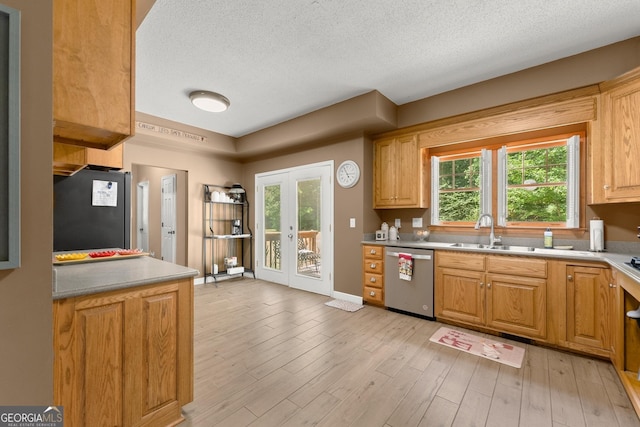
(596,235)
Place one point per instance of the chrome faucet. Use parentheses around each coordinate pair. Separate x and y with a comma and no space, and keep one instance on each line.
(492,236)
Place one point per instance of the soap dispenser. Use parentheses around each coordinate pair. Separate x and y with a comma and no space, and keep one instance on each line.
(548,238)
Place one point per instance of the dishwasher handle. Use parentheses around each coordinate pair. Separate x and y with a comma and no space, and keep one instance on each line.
(414,256)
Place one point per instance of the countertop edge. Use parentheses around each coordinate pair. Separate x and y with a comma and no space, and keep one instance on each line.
(615,260)
(81,280)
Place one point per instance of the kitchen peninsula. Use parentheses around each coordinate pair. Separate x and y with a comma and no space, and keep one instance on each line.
(123,341)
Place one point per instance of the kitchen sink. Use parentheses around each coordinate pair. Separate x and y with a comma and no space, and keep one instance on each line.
(495,247)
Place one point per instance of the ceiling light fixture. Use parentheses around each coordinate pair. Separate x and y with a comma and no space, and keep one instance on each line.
(209,101)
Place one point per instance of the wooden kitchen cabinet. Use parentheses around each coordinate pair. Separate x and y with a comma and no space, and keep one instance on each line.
(502,293)
(69,159)
(125,357)
(401,178)
(588,306)
(373,274)
(618,180)
(93,72)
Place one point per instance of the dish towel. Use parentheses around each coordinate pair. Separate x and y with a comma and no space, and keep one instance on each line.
(405,266)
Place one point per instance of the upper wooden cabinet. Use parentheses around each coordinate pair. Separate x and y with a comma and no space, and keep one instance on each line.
(69,159)
(618,180)
(93,72)
(400,173)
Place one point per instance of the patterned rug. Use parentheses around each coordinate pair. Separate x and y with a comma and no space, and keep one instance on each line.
(479,346)
(344,305)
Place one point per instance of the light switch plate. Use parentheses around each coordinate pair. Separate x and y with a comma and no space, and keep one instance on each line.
(352,222)
(398,223)
(416,222)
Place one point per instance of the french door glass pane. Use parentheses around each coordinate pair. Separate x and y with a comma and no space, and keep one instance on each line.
(308,224)
(272,232)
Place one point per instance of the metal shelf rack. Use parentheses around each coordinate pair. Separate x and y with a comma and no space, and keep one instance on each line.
(227,242)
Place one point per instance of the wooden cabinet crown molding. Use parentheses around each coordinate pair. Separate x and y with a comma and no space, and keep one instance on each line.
(559,109)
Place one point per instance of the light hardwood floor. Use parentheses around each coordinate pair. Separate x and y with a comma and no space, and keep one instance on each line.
(268,355)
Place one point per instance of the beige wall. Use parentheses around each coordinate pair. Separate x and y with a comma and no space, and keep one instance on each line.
(153,175)
(200,168)
(349,203)
(211,166)
(26,355)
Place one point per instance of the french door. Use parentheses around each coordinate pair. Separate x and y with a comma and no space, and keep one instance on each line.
(294,231)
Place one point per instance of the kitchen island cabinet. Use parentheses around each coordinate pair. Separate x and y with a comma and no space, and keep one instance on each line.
(93,72)
(124,356)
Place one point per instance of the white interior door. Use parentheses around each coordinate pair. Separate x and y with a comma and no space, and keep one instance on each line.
(168,218)
(294,233)
(142,216)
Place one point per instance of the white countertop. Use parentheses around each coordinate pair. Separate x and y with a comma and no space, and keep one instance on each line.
(90,278)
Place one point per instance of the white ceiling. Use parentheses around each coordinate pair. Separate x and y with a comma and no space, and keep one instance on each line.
(279,59)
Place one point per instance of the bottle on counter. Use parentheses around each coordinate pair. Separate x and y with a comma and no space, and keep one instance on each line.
(548,238)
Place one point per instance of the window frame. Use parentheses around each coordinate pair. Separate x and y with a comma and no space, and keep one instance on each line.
(512,141)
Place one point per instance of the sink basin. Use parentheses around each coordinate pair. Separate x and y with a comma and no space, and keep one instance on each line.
(467,245)
(496,247)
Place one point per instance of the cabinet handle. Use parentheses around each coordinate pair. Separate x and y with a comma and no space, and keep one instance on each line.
(373,251)
(606,186)
(488,285)
(569,277)
(611,285)
(372,293)
(372,280)
(481,284)
(373,265)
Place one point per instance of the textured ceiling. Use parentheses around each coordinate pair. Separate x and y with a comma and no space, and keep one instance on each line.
(279,59)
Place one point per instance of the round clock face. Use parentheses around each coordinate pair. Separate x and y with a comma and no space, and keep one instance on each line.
(348,174)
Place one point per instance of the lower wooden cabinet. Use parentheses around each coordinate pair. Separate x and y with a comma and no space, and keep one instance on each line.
(588,307)
(125,358)
(503,293)
(373,274)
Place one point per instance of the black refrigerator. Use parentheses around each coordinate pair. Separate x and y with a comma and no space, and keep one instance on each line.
(92,210)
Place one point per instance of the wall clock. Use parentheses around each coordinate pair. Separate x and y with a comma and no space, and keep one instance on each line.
(348,174)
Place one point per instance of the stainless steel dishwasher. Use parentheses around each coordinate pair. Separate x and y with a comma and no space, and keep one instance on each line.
(413,296)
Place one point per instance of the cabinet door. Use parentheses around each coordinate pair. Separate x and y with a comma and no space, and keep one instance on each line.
(159,351)
(517,304)
(621,137)
(460,295)
(588,306)
(93,53)
(384,173)
(407,175)
(89,341)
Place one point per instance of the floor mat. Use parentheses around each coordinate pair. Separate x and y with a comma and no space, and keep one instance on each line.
(479,346)
(344,305)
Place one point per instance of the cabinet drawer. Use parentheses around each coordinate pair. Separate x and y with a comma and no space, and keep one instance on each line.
(372,252)
(372,266)
(460,260)
(520,266)
(373,280)
(373,295)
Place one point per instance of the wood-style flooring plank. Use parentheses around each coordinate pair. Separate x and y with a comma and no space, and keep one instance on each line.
(266,355)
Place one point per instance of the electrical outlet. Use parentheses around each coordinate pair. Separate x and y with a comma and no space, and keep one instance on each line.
(352,222)
(398,223)
(416,222)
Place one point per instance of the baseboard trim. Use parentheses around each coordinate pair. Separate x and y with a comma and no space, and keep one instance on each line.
(347,297)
